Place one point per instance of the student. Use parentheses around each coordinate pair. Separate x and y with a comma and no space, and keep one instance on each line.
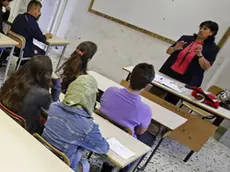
(125,107)
(70,127)
(77,63)
(4,16)
(26,91)
(27,26)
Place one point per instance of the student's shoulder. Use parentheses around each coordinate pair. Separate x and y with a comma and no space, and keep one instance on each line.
(144,108)
(39,91)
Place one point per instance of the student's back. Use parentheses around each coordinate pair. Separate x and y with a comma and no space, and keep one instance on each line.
(26,91)
(125,108)
(30,110)
(70,127)
(26,25)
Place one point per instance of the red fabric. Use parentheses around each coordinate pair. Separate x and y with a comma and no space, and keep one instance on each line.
(209,98)
(181,67)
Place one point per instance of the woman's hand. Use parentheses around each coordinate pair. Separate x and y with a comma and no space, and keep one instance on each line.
(198,50)
(179,45)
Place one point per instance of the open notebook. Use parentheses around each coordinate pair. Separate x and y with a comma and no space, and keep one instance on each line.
(120,149)
(174,85)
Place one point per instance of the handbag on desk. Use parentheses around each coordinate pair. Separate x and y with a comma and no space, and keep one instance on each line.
(224,97)
(206,98)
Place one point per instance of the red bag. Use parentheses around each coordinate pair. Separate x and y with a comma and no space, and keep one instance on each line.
(208,99)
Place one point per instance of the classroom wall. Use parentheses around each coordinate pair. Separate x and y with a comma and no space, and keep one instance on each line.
(118,45)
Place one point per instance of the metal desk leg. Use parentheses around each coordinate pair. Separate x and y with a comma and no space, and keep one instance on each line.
(61,57)
(218,121)
(48,50)
(8,64)
(115,169)
(90,154)
(188,156)
(150,157)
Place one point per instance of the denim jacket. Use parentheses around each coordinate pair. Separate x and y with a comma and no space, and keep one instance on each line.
(71,129)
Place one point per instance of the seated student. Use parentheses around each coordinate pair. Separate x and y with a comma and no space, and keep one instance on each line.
(4,16)
(70,127)
(77,63)
(74,66)
(125,107)
(27,26)
(26,91)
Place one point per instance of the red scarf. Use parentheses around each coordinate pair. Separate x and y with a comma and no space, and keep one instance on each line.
(185,57)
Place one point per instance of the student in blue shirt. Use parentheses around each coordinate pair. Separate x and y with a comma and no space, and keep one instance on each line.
(27,26)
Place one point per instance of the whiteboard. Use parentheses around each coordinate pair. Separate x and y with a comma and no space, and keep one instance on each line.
(168,18)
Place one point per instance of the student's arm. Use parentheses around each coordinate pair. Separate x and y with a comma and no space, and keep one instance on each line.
(37,33)
(145,118)
(44,99)
(95,142)
(56,87)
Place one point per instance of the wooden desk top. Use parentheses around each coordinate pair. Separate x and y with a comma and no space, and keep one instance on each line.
(21,152)
(5,41)
(57,41)
(159,113)
(108,131)
(187,96)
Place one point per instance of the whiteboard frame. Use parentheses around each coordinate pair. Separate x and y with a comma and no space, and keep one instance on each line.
(161,37)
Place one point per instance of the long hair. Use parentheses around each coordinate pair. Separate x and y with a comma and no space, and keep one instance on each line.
(77,63)
(36,72)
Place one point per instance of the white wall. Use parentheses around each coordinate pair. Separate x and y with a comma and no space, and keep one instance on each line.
(118,46)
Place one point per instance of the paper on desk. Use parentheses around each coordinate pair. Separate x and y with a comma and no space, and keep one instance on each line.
(120,149)
(179,87)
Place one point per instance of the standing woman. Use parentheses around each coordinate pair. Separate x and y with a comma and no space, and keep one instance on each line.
(191,56)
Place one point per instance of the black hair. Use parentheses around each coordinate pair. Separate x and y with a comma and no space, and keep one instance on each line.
(141,76)
(213,26)
(32,4)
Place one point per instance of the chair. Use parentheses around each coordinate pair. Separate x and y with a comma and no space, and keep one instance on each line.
(205,115)
(20,120)
(21,45)
(60,155)
(128,130)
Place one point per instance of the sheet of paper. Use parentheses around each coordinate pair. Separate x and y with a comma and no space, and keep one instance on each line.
(120,149)
(179,87)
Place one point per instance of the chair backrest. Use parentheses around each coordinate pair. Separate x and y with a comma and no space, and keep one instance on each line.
(18,38)
(128,130)
(215,89)
(59,154)
(20,120)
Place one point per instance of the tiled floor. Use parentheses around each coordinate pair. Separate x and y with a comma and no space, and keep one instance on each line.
(213,157)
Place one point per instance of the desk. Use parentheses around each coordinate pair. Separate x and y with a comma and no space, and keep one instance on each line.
(159,113)
(56,41)
(108,130)
(6,42)
(221,112)
(21,152)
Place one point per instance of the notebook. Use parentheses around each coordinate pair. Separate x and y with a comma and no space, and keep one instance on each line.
(120,149)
